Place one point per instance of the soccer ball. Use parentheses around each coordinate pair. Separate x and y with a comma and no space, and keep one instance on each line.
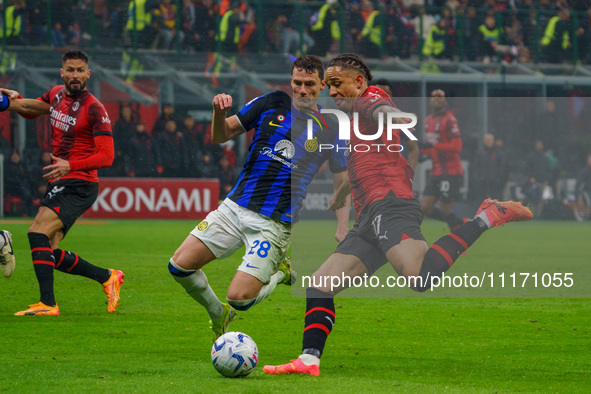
(234,354)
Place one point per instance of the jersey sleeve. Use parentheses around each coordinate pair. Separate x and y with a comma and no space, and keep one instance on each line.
(99,120)
(372,99)
(251,111)
(337,160)
(46,97)
(453,128)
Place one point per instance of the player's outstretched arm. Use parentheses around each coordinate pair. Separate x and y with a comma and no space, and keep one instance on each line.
(222,128)
(341,185)
(11,100)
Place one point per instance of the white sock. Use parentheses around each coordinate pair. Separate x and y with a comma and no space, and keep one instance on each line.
(267,289)
(309,359)
(196,286)
(482,215)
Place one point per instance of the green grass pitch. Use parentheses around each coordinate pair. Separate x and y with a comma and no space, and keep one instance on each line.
(159,340)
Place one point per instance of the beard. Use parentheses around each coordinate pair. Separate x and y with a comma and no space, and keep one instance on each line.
(75,89)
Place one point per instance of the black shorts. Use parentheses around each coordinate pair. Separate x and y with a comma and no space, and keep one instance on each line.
(382,225)
(446,187)
(69,199)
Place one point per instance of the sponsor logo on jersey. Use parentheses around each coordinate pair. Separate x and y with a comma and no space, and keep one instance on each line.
(280,118)
(282,152)
(60,120)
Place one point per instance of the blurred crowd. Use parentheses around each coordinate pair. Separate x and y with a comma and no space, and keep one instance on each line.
(476,30)
(175,147)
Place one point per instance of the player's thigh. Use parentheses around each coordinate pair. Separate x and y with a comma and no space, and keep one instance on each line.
(329,277)
(407,257)
(427,203)
(216,237)
(243,287)
(46,222)
(193,254)
(266,243)
(446,207)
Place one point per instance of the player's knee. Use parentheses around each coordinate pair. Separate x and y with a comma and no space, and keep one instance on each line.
(177,271)
(241,305)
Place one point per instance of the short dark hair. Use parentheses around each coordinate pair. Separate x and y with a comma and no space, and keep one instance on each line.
(309,63)
(351,61)
(75,54)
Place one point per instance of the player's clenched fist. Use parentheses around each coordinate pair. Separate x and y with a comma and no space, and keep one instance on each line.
(222,102)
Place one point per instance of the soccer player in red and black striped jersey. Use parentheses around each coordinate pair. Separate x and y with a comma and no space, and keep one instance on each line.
(443,144)
(389,217)
(82,143)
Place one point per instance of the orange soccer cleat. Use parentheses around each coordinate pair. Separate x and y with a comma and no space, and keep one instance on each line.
(40,309)
(500,212)
(295,366)
(112,287)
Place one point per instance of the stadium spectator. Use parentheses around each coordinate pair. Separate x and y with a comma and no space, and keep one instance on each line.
(38,184)
(226,177)
(443,143)
(17,190)
(189,16)
(487,170)
(194,141)
(228,34)
(123,131)
(164,20)
(204,27)
(324,28)
(141,158)
(435,45)
(172,151)
(370,39)
(117,11)
(64,30)
(537,171)
(37,17)
(15,24)
(208,168)
(354,24)
(166,114)
(584,179)
(139,24)
(259,211)
(389,218)
(556,43)
(77,115)
(489,39)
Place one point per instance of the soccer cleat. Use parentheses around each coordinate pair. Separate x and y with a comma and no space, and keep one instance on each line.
(7,260)
(220,326)
(40,309)
(112,287)
(295,366)
(290,275)
(500,212)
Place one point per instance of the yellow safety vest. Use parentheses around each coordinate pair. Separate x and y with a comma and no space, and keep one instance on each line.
(142,17)
(490,35)
(550,32)
(432,46)
(225,26)
(374,31)
(13,26)
(335,30)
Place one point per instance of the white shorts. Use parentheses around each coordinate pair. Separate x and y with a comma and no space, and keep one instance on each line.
(231,226)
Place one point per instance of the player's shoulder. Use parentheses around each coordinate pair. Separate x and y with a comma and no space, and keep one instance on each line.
(451,116)
(374,91)
(272,99)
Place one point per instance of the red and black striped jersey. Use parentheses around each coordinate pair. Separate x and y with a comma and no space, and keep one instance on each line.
(444,132)
(76,122)
(375,171)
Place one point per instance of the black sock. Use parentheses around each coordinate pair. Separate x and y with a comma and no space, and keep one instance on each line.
(71,263)
(319,321)
(43,263)
(453,221)
(443,253)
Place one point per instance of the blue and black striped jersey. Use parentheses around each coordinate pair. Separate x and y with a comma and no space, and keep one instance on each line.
(279,168)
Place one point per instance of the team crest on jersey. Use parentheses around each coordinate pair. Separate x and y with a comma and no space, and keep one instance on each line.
(202,226)
(311,144)
(75,106)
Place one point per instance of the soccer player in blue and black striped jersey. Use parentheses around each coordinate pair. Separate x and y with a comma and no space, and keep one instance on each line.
(261,208)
